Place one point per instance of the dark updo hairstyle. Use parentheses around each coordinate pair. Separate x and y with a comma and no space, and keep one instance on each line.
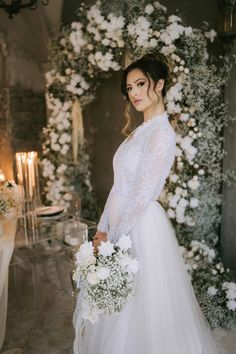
(154,67)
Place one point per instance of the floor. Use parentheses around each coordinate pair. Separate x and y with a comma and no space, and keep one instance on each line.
(41,303)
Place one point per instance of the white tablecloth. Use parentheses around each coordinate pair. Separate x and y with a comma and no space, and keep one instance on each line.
(6,250)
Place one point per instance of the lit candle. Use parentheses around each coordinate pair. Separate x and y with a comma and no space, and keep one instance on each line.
(2,177)
(20,172)
(33,158)
(29,163)
(27,174)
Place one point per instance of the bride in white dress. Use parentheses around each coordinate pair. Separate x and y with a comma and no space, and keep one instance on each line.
(164,317)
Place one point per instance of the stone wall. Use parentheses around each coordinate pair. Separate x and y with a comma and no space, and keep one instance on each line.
(28,116)
(228,227)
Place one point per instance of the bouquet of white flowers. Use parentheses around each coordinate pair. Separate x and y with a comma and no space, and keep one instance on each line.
(106,278)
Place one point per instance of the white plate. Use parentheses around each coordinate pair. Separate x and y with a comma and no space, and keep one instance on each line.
(47,211)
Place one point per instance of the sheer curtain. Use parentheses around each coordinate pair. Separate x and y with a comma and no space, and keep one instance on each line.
(6,250)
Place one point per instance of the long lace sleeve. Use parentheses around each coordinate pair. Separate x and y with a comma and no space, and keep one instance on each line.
(154,166)
(103,224)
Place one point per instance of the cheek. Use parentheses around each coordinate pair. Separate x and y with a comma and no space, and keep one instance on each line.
(147,94)
(129,96)
(144,91)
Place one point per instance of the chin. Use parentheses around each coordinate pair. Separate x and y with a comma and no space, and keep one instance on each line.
(139,109)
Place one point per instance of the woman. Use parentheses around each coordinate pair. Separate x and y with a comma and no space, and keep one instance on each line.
(164,317)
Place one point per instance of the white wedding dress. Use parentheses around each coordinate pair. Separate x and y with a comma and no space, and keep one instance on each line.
(164,317)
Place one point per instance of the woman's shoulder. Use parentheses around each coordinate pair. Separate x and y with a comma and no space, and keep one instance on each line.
(163,128)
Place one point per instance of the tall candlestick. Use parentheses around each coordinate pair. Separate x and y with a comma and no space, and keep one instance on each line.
(27,175)
(29,164)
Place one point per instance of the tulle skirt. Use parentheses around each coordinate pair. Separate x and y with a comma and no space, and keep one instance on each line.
(164,317)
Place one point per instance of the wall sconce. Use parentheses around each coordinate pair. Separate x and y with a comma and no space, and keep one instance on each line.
(227,20)
(13,7)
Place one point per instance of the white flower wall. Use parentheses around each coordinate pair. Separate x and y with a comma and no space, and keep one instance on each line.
(91,49)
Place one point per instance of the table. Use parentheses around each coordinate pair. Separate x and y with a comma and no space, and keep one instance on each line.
(34,248)
(6,250)
(41,231)
(46,229)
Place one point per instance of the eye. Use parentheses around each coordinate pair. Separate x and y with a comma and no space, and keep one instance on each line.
(141,83)
(128,89)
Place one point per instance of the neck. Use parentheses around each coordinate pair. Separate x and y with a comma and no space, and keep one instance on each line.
(153,111)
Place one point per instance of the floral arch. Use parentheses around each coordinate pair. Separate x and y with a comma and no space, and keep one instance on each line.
(89,50)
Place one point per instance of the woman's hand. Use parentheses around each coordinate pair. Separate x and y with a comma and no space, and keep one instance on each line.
(98,237)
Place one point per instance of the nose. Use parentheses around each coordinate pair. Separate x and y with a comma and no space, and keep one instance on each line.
(133,93)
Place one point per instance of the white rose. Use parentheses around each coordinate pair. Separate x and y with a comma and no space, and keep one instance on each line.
(174,200)
(106,248)
(184,193)
(86,249)
(180,166)
(193,184)
(64,149)
(201,172)
(149,9)
(171,213)
(68,71)
(211,35)
(231,304)
(211,254)
(212,291)
(192,110)
(133,266)
(55,147)
(153,42)
(190,254)
(86,261)
(188,31)
(63,42)
(124,242)
(124,260)
(183,202)
(90,46)
(93,278)
(194,202)
(174,178)
(103,273)
(68,196)
(156,34)
(178,190)
(106,41)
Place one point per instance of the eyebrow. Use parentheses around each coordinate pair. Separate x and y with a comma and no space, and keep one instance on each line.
(141,78)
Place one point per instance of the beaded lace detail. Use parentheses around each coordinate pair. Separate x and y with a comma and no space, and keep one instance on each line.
(141,165)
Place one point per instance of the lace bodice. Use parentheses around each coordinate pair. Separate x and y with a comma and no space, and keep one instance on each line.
(141,165)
